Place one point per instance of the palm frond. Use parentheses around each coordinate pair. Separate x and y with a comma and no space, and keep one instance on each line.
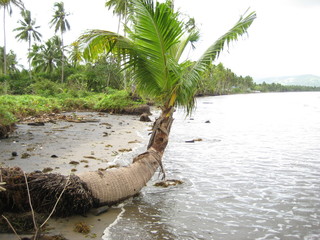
(239,29)
(194,71)
(156,30)
(97,42)
(188,38)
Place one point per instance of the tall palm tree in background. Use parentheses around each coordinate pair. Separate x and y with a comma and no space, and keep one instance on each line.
(60,23)
(7,6)
(46,57)
(75,54)
(153,49)
(120,8)
(28,31)
(12,62)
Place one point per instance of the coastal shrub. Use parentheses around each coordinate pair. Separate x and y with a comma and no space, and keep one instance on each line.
(69,104)
(77,81)
(6,117)
(4,87)
(116,101)
(46,88)
(29,105)
(15,107)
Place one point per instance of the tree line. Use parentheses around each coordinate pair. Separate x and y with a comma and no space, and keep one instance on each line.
(54,67)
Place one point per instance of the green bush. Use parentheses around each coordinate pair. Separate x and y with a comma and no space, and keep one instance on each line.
(116,101)
(77,81)
(6,117)
(4,88)
(46,88)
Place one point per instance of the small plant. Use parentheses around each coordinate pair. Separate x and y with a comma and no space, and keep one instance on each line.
(82,227)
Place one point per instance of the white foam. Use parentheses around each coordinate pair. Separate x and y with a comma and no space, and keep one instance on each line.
(107,233)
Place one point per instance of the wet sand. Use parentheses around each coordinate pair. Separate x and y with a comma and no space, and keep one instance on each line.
(65,147)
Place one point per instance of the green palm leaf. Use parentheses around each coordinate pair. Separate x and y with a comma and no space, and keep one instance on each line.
(193,75)
(153,50)
(213,52)
(97,42)
(156,30)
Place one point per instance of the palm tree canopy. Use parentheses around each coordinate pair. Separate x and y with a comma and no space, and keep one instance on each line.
(59,20)
(12,61)
(154,47)
(27,28)
(46,57)
(8,3)
(76,55)
(120,7)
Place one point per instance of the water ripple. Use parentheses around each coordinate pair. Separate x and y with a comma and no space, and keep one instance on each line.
(255,175)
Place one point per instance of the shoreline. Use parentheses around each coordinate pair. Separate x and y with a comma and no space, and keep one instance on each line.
(99,141)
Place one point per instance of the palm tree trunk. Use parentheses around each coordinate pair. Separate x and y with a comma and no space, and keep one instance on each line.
(4,42)
(29,62)
(88,189)
(115,185)
(62,59)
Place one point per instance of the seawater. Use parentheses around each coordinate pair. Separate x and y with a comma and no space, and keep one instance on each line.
(254,175)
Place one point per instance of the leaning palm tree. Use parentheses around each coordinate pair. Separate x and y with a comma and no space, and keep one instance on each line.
(7,6)
(61,24)
(28,31)
(153,50)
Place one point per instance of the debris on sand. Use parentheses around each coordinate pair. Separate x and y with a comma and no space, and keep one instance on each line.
(25,155)
(168,183)
(82,227)
(125,150)
(194,140)
(47,169)
(74,162)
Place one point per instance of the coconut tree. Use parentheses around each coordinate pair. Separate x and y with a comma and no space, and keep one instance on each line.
(12,63)
(60,23)
(46,57)
(120,8)
(28,31)
(75,55)
(153,49)
(7,7)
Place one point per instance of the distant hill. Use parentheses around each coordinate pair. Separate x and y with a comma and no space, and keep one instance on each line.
(301,80)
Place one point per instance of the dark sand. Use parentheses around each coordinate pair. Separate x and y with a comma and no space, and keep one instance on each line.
(91,145)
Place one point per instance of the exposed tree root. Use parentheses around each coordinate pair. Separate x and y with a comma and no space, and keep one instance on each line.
(44,191)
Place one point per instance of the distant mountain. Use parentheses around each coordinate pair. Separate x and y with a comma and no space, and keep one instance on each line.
(301,80)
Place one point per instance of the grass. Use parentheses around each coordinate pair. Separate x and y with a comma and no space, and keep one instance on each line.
(15,107)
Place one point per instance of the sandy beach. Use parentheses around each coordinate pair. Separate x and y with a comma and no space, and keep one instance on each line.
(88,142)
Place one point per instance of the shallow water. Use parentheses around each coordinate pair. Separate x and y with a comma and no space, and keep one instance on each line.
(255,175)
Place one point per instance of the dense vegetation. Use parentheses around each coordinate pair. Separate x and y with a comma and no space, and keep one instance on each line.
(58,78)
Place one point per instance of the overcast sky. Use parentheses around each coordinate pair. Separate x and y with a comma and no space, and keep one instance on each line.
(283,40)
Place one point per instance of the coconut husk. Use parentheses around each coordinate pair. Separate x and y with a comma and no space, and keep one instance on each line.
(44,191)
